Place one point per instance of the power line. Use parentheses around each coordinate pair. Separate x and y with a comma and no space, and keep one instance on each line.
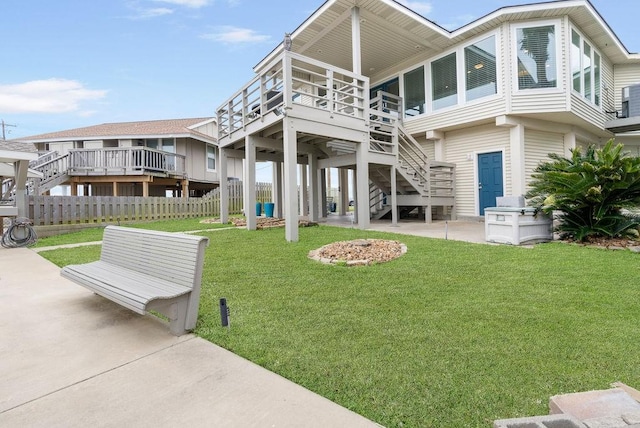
(4,126)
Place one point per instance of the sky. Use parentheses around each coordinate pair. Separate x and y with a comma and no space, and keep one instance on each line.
(73,63)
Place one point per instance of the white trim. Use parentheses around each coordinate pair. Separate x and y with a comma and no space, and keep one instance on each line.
(557,23)
(594,51)
(206,157)
(476,174)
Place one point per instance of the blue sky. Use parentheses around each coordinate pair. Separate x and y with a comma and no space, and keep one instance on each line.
(73,63)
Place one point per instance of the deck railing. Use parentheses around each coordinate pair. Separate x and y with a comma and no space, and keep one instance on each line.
(125,161)
(292,80)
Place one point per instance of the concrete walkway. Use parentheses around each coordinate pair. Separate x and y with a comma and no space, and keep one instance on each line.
(69,358)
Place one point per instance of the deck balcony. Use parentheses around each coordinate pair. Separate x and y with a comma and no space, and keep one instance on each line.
(296,86)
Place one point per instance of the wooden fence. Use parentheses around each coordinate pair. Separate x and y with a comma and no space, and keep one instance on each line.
(55,210)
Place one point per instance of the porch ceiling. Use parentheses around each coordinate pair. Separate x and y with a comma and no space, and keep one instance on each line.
(393,35)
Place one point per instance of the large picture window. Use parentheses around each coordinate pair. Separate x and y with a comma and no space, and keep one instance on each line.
(585,68)
(480,66)
(444,82)
(537,57)
(414,92)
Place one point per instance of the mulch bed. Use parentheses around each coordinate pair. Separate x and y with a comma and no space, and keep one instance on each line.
(359,252)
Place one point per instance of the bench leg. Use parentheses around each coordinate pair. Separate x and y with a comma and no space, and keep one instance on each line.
(178,317)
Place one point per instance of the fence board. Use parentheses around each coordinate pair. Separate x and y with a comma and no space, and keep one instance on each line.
(53,210)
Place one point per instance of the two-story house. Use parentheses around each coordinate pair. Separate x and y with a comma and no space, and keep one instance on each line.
(435,120)
(176,157)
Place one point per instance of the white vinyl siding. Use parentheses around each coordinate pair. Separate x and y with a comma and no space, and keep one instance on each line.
(624,75)
(461,147)
(537,146)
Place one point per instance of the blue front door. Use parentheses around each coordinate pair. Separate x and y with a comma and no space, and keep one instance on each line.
(490,183)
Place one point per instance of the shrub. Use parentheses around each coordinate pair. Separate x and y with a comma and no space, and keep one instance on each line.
(593,192)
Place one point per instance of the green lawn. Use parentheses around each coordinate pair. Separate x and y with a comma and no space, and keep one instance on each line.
(451,334)
(95,234)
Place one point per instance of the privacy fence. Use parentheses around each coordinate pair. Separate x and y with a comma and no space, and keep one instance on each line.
(55,210)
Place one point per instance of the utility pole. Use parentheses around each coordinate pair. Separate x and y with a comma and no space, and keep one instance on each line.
(4,133)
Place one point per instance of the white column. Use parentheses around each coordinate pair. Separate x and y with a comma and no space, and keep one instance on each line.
(344,190)
(304,193)
(518,175)
(250,182)
(362,173)
(570,143)
(314,188)
(323,192)
(394,197)
(276,188)
(290,181)
(20,168)
(355,40)
(224,185)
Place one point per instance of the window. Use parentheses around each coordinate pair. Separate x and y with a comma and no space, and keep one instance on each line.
(168,145)
(537,57)
(576,68)
(211,158)
(414,92)
(480,65)
(444,82)
(585,68)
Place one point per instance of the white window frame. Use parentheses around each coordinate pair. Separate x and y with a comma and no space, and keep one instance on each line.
(594,52)
(215,157)
(559,57)
(460,76)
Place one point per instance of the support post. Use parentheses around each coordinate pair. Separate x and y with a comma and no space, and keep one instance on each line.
(356,51)
(518,174)
(314,189)
(250,182)
(344,190)
(277,189)
(394,197)
(20,169)
(304,193)
(362,172)
(223,170)
(323,192)
(290,180)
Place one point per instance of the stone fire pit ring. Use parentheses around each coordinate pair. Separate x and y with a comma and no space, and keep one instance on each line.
(359,252)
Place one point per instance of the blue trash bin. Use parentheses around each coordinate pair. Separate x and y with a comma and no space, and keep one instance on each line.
(268,209)
(258,209)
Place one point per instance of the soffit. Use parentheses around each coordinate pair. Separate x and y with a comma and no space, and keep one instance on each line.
(392,34)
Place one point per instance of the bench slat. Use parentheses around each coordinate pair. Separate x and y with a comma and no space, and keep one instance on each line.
(140,268)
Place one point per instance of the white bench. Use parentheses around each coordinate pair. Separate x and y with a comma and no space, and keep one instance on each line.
(146,270)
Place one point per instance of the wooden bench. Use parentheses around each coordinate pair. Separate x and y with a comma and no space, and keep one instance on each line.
(146,270)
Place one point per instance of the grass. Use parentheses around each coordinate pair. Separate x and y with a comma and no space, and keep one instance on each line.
(451,334)
(95,234)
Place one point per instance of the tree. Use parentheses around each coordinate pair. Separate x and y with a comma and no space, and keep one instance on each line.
(535,42)
(594,193)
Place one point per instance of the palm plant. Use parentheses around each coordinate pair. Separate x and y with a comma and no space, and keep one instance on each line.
(595,193)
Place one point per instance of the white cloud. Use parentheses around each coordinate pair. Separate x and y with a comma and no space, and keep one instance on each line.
(423,8)
(46,96)
(235,35)
(195,4)
(151,13)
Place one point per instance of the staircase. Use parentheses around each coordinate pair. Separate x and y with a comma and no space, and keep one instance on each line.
(54,169)
(420,182)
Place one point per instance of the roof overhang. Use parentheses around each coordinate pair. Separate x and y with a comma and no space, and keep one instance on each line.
(10,156)
(195,135)
(405,37)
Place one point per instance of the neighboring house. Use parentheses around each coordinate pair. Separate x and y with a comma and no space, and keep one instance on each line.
(151,158)
(438,121)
